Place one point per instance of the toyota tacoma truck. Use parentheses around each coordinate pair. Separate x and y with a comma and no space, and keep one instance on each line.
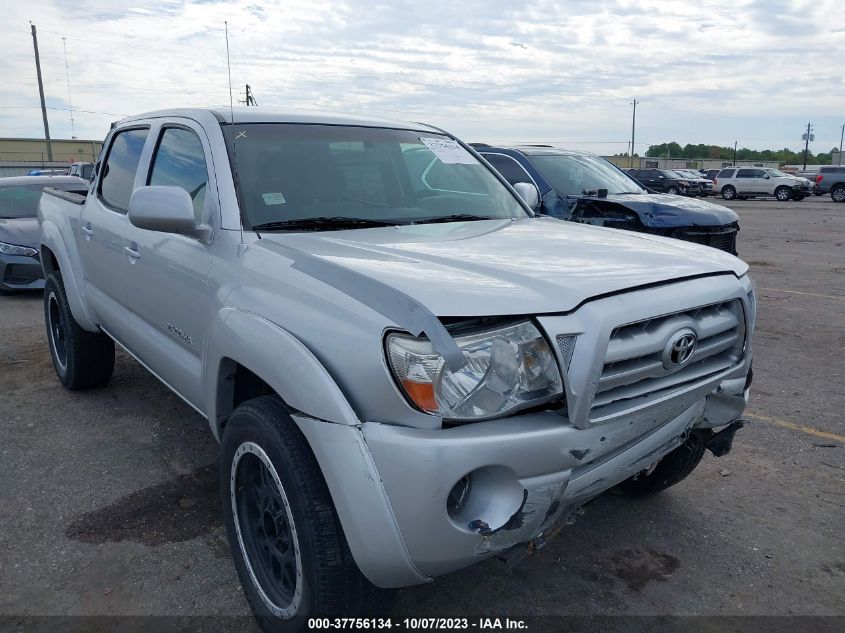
(407,372)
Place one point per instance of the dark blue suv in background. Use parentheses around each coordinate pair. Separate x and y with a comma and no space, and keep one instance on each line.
(582,187)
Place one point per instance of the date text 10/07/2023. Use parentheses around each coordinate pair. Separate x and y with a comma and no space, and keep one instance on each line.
(418,624)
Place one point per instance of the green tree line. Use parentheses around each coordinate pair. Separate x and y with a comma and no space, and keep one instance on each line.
(784,156)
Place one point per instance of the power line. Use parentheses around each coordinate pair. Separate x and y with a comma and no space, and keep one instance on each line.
(60,109)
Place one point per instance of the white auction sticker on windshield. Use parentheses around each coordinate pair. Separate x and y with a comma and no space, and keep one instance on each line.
(273,198)
(449,151)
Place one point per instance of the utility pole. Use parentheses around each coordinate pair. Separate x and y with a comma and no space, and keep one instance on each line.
(841,136)
(807,139)
(734,153)
(250,99)
(633,130)
(41,92)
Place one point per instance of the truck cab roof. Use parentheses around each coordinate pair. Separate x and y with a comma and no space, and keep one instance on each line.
(272,115)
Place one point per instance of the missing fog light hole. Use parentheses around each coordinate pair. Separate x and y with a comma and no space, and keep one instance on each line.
(484,500)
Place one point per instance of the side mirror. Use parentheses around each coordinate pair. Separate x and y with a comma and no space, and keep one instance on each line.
(766,176)
(661,177)
(165,209)
(528,192)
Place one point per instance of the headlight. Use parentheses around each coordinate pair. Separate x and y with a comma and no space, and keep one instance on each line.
(506,368)
(683,183)
(12,249)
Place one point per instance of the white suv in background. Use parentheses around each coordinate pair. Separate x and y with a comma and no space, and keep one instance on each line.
(751,182)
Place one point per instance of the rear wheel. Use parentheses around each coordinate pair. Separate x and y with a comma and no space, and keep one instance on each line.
(82,359)
(286,540)
(728,192)
(783,194)
(671,469)
(837,193)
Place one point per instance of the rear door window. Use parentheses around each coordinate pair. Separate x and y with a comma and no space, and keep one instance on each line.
(179,161)
(118,177)
(746,173)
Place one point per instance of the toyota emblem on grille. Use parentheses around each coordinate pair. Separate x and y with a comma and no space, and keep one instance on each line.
(679,349)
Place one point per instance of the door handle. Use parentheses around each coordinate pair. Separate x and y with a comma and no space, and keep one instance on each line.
(133,254)
(86,229)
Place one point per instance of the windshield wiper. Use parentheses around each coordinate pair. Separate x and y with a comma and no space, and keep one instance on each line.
(322,223)
(455,217)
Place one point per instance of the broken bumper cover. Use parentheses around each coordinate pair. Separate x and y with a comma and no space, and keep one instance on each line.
(391,485)
(527,474)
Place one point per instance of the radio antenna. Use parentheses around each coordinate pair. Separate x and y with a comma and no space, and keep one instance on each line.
(229,68)
(232,115)
(69,102)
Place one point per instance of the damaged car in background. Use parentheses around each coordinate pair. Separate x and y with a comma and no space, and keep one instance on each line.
(583,187)
(407,369)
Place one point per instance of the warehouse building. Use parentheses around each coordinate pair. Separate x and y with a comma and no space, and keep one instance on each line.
(19,155)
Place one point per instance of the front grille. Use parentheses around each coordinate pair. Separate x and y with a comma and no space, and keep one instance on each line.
(721,237)
(634,364)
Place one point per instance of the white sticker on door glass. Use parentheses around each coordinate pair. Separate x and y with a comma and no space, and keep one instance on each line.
(449,151)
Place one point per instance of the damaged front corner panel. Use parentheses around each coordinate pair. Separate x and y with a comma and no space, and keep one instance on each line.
(540,508)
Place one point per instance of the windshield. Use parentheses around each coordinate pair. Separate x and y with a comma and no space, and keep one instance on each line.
(21,201)
(293,173)
(776,173)
(580,174)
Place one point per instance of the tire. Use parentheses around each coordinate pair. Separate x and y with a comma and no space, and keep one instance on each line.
(837,193)
(728,192)
(82,359)
(783,194)
(673,190)
(275,499)
(672,468)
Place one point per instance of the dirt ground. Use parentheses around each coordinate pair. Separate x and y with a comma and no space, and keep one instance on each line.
(108,498)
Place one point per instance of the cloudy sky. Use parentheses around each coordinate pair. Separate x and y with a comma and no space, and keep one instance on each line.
(565,71)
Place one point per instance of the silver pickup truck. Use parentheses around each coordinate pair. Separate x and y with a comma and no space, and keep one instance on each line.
(407,371)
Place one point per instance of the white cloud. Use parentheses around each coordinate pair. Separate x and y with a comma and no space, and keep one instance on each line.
(708,71)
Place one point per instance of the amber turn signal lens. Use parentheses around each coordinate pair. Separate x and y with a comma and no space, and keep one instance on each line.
(422,394)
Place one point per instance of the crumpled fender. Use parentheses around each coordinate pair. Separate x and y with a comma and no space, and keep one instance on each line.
(657,210)
(665,211)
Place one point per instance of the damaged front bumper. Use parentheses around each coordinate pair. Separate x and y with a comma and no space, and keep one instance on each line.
(461,494)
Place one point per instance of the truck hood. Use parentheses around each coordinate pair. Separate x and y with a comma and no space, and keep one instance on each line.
(663,210)
(20,231)
(502,267)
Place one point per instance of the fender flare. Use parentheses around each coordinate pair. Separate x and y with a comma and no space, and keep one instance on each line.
(279,359)
(52,239)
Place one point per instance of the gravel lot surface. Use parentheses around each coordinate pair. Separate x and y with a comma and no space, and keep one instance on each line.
(110,505)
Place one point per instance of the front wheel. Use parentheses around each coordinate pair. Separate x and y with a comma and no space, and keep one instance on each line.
(783,194)
(728,192)
(673,190)
(81,359)
(284,533)
(669,470)
(837,194)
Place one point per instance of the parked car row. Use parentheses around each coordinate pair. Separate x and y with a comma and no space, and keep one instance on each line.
(582,187)
(80,170)
(672,181)
(754,182)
